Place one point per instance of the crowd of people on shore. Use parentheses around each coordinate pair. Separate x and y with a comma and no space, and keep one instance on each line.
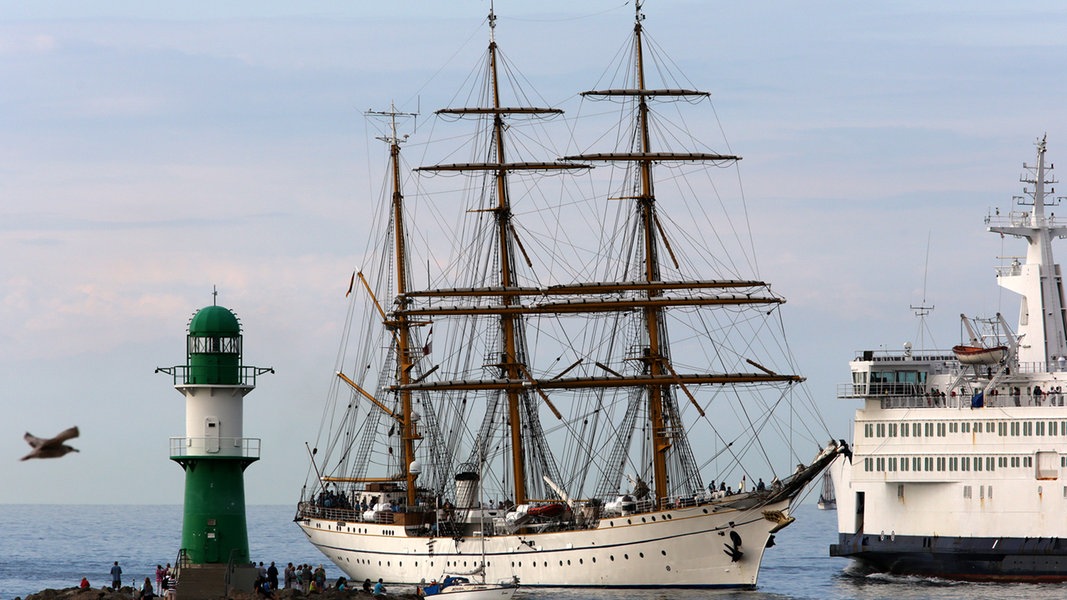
(302,577)
(164,587)
(305,579)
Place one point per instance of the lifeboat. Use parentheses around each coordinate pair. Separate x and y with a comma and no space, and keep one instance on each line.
(979,355)
(547,511)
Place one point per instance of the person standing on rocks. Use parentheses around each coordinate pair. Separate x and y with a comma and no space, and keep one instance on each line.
(272,576)
(116,576)
(290,575)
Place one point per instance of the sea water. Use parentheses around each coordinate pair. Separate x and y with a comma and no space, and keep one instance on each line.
(54,546)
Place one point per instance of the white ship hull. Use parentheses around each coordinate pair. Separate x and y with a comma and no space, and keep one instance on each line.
(685,547)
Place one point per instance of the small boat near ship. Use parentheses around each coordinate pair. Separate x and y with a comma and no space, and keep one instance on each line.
(556,401)
(455,587)
(958,467)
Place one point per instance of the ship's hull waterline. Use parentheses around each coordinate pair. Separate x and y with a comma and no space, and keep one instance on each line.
(692,547)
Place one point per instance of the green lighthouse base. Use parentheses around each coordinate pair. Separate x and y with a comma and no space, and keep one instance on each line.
(214,527)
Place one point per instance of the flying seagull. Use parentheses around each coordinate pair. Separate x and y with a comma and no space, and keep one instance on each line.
(50,448)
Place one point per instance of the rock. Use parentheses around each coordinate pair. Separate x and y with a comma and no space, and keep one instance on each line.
(127,593)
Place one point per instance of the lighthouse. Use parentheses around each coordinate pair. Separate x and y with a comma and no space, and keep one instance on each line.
(214,451)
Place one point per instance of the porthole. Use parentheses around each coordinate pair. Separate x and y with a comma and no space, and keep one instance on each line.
(568,563)
(626,556)
(641,554)
(663,552)
(612,557)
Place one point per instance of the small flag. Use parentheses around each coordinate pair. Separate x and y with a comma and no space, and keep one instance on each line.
(429,339)
(351,284)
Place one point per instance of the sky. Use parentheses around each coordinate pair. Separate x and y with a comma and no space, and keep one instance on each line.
(153,152)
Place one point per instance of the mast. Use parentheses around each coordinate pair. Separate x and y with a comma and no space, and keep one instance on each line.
(400,320)
(656,354)
(1042,319)
(513,359)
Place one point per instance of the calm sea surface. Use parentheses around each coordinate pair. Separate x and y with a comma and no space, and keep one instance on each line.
(55,546)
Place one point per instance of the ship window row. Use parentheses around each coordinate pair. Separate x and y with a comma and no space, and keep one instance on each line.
(944,428)
(948,463)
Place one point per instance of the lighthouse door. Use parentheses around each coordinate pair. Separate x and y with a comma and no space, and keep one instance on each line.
(211,435)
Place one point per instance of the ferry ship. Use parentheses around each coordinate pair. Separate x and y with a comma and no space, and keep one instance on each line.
(959,465)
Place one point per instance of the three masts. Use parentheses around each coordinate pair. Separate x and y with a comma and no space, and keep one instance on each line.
(498,311)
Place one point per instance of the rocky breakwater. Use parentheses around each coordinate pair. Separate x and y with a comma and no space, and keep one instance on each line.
(128,593)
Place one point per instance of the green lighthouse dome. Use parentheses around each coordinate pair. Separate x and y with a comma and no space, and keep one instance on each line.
(214,320)
(214,347)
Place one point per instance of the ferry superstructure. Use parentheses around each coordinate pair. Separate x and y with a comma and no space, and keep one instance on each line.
(959,465)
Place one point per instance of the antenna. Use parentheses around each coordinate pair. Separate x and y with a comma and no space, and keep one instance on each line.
(922,310)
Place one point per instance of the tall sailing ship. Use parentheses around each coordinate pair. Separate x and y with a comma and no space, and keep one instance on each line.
(959,467)
(557,402)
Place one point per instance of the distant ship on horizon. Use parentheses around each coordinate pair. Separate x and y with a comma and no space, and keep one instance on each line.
(827,501)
